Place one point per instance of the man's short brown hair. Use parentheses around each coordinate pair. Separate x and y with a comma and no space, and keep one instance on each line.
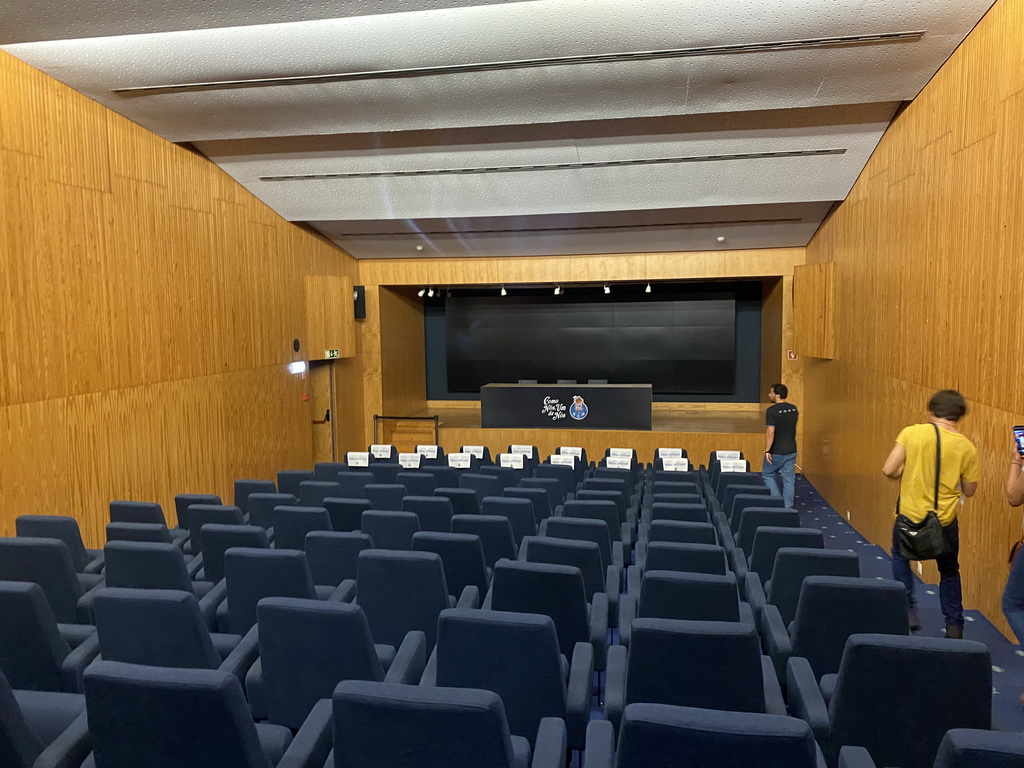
(947,404)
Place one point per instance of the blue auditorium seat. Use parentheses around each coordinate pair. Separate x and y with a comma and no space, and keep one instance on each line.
(417,483)
(353,482)
(328,470)
(518,511)
(686,513)
(583,529)
(261,507)
(444,476)
(384,472)
(144,512)
(388,529)
(753,518)
(244,488)
(792,566)
(599,576)
(482,485)
(218,539)
(41,728)
(495,532)
(313,492)
(290,480)
(385,496)
(539,497)
(464,500)
(201,514)
(434,512)
(508,477)
(63,528)
(768,540)
(687,558)
(333,555)
(47,562)
(346,514)
(552,486)
(291,524)
(462,555)
(183,501)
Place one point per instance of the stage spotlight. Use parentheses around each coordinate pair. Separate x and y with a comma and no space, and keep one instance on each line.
(648,288)
(607,289)
(503,291)
(430,293)
(421,292)
(558,290)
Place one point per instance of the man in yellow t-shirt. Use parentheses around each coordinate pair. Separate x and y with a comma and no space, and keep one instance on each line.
(912,461)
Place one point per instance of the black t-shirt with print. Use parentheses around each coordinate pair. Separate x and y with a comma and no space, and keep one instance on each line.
(783,417)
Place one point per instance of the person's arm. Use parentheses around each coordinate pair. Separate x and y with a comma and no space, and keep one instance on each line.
(769,438)
(893,466)
(1015,482)
(969,474)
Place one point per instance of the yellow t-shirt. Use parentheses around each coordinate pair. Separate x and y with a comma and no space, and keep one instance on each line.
(917,484)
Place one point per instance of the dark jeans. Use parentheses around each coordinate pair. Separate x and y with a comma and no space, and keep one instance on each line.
(1013,597)
(950,595)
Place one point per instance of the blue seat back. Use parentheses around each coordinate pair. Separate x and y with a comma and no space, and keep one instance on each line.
(794,564)
(261,507)
(753,518)
(390,530)
(313,492)
(528,679)
(656,734)
(290,481)
(434,512)
(55,527)
(603,510)
(31,647)
(675,486)
(385,724)
(166,718)
(19,746)
(615,497)
(539,498)
(585,555)
(244,488)
(353,482)
(725,479)
(549,485)
(417,483)
(145,565)
(333,555)
(307,647)
(557,591)
(866,703)
(495,532)
(580,529)
(831,608)
(683,533)
(400,592)
(155,627)
(185,500)
(566,476)
(689,558)
(253,574)
(769,540)
(744,500)
(136,512)
(201,514)
(462,555)
(444,476)
(346,514)
(384,472)
(707,664)
(608,484)
(385,496)
(138,532)
(691,596)
(218,539)
(328,470)
(755,488)
(291,524)
(967,748)
(464,500)
(45,562)
(482,485)
(686,513)
(518,511)
(508,477)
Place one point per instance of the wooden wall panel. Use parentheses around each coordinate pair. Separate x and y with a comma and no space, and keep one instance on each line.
(931,297)
(403,362)
(330,323)
(814,296)
(150,307)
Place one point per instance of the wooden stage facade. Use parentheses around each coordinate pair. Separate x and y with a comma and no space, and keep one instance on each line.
(698,427)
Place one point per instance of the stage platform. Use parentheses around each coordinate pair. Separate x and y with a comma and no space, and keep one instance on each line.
(698,427)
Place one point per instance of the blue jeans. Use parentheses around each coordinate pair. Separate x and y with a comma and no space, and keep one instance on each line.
(1013,597)
(782,464)
(950,596)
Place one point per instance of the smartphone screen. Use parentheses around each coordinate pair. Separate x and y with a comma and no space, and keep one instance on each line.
(1018,438)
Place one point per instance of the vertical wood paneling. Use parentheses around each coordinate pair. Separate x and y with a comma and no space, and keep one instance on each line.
(329,320)
(149,309)
(931,297)
(814,309)
(403,363)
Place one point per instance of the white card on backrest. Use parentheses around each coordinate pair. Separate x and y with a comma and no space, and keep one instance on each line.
(380,451)
(513,460)
(676,465)
(357,458)
(430,451)
(526,450)
(670,453)
(409,460)
(459,460)
(474,450)
(565,460)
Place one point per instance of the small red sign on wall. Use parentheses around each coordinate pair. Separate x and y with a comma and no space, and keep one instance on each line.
(791,354)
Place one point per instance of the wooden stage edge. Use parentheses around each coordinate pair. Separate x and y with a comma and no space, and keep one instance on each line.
(698,429)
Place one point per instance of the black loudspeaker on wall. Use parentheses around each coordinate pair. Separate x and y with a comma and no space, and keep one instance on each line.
(359,300)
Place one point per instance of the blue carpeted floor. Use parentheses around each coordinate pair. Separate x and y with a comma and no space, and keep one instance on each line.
(1007,659)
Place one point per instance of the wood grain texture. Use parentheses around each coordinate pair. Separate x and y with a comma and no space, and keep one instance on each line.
(928,247)
(150,307)
(330,322)
(403,354)
(814,297)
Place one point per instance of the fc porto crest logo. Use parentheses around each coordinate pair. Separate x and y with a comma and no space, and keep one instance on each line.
(579,409)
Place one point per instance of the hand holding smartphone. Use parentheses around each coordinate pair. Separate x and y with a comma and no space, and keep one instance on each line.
(1018,438)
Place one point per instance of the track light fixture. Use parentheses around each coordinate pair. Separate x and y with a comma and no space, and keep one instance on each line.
(607,289)
(421,292)
(503,291)
(648,288)
(558,290)
(430,293)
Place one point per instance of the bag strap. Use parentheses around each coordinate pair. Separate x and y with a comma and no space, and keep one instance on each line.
(938,464)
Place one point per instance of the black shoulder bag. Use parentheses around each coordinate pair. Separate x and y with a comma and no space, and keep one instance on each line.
(923,540)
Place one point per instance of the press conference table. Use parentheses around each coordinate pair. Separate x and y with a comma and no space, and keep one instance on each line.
(557,406)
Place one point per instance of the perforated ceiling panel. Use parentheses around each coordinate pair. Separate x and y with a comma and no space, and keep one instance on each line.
(418,111)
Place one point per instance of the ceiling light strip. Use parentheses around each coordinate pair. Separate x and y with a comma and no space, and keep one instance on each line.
(554,166)
(556,61)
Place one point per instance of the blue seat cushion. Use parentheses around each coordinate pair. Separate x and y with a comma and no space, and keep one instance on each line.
(274,739)
(49,714)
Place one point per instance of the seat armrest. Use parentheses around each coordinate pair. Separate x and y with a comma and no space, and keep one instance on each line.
(83,608)
(407,668)
(725,536)
(627,612)
(618,554)
(254,690)
(68,750)
(643,533)
(754,594)
(615,686)
(855,757)
(429,678)
(613,582)
(312,744)
(486,605)
(599,629)
(470,597)
(243,656)
(600,745)
(806,701)
(775,638)
(74,663)
(747,615)
(577,696)
(209,603)
(223,618)
(344,593)
(194,565)
(95,565)
(550,747)
(640,555)
(626,534)
(634,577)
(773,701)
(738,563)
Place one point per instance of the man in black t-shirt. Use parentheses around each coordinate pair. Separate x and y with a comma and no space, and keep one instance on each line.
(780,444)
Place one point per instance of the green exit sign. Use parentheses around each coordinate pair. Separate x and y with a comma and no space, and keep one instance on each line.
(332,354)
